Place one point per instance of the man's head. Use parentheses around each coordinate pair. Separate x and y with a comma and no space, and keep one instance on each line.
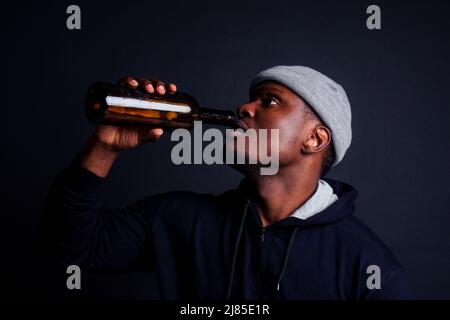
(311,111)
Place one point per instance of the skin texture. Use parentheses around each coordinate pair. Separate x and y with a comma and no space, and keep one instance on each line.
(303,142)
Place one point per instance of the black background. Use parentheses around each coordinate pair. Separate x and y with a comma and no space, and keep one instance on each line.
(396,78)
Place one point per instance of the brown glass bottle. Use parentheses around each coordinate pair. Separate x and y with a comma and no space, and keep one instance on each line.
(116,104)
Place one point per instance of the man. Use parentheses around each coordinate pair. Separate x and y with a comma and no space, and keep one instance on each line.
(286,236)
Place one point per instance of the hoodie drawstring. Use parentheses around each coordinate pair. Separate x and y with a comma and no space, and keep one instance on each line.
(236,249)
(286,257)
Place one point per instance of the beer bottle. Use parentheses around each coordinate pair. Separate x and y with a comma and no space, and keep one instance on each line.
(117,104)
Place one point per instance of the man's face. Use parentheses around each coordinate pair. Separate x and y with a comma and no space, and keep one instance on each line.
(274,106)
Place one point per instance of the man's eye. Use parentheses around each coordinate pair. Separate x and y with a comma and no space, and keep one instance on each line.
(268,101)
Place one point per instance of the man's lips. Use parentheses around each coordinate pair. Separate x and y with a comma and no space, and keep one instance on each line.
(241,125)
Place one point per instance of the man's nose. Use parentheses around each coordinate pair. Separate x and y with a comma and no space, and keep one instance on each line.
(246,110)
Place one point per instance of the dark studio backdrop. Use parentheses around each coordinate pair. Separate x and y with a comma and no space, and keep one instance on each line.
(397,80)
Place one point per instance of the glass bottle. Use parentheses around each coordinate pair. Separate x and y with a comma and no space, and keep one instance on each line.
(117,104)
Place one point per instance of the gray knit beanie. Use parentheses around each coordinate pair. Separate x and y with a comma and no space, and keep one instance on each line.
(326,97)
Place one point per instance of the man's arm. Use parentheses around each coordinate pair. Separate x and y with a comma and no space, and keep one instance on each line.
(77,229)
(98,158)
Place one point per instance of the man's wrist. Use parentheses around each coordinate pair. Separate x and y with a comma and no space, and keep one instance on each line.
(98,157)
(103,147)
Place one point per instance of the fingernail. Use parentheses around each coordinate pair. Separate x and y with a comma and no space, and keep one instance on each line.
(161,89)
(158,132)
(150,88)
(134,83)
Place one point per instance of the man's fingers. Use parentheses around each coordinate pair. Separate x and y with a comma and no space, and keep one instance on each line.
(146,85)
(150,86)
(172,88)
(128,81)
(159,86)
(154,134)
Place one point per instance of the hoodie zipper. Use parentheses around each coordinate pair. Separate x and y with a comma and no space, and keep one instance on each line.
(263,233)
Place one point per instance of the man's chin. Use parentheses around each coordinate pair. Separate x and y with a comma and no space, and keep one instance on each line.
(248,170)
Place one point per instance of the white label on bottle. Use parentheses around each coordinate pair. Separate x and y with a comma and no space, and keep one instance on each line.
(144,104)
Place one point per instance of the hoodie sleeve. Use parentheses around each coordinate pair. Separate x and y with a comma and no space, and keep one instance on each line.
(395,286)
(76,229)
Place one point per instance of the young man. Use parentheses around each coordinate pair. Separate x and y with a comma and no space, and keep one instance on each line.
(286,236)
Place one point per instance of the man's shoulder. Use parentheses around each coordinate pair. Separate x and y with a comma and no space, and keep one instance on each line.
(364,243)
(371,256)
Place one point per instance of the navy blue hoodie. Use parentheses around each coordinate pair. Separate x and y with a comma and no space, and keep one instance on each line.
(204,246)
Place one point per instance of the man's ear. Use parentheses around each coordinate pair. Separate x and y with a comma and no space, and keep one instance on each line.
(317,140)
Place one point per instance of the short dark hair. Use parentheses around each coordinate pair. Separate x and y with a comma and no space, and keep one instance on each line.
(328,157)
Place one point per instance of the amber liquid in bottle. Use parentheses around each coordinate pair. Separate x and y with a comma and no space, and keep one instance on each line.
(116,104)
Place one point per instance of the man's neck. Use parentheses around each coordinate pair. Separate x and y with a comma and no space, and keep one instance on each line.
(277,196)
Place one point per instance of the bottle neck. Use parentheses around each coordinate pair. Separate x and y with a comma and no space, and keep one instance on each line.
(214,116)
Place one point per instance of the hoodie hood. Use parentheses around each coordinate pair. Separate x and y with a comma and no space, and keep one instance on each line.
(321,199)
(343,206)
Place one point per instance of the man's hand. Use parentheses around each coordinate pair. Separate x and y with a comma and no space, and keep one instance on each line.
(128,137)
(107,141)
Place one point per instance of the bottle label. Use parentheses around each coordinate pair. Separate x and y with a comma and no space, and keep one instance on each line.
(147,104)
